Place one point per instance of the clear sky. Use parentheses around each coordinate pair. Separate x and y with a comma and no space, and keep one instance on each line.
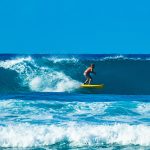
(74,26)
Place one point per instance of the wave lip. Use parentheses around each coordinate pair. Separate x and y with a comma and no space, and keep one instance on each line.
(60,60)
(26,135)
(10,63)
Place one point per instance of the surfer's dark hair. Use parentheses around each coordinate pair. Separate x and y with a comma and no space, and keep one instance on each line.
(93,65)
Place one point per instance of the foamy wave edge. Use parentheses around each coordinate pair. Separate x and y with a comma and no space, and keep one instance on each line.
(60,60)
(27,135)
(40,79)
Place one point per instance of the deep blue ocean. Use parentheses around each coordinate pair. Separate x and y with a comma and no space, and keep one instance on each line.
(42,106)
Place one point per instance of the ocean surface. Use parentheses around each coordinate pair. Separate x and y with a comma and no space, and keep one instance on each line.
(42,106)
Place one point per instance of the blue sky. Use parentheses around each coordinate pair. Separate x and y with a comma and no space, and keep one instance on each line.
(74,26)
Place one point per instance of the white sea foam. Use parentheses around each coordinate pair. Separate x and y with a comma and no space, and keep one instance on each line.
(32,111)
(121,118)
(42,79)
(118,57)
(93,108)
(143,108)
(58,60)
(53,82)
(26,135)
(24,109)
(11,63)
(114,57)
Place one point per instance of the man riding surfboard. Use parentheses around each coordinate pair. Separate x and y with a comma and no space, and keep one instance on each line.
(87,73)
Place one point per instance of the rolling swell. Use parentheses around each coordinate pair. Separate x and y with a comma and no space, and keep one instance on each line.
(128,74)
(11,77)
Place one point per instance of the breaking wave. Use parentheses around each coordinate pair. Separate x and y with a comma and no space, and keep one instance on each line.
(121,74)
(26,135)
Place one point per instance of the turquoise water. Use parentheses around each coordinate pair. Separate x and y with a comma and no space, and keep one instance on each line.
(74,121)
(42,106)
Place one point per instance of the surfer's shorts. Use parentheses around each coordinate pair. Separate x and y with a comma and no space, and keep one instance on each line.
(87,76)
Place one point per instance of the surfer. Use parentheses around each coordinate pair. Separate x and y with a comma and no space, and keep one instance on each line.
(87,73)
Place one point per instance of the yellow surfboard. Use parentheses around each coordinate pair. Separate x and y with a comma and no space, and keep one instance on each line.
(97,86)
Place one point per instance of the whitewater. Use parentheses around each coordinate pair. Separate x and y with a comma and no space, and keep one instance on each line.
(43,107)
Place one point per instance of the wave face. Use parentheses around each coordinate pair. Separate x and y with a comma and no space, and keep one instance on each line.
(121,74)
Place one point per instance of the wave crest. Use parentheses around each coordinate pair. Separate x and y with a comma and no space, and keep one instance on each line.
(39,78)
(25,135)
